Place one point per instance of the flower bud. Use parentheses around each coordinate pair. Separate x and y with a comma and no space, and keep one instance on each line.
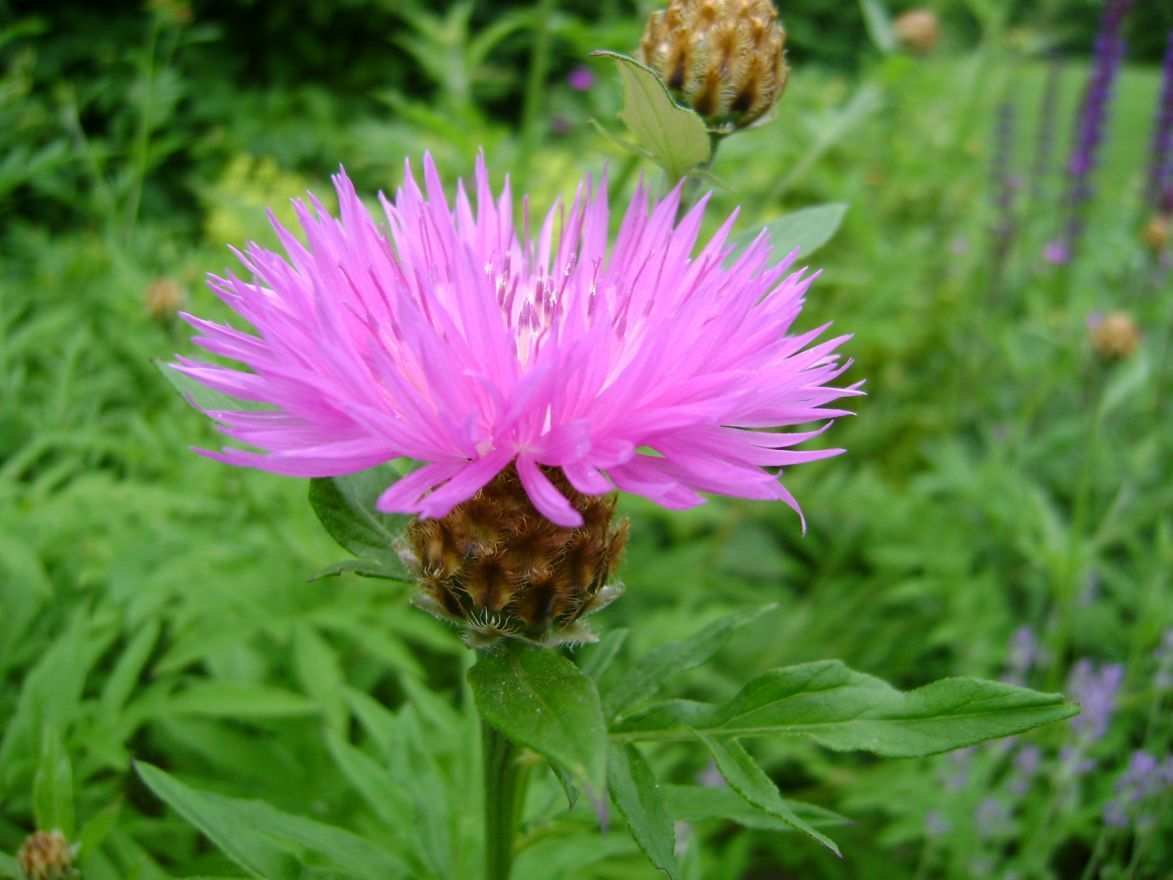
(1156,233)
(723,58)
(1115,336)
(47,855)
(163,299)
(917,31)
(498,568)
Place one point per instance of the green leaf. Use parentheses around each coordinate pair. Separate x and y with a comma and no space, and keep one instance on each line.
(636,793)
(368,568)
(646,676)
(345,505)
(597,658)
(10,868)
(99,827)
(125,675)
(845,710)
(238,699)
(53,785)
(750,781)
(320,673)
(879,25)
(541,700)
(417,775)
(675,137)
(807,229)
(266,841)
(202,397)
(696,803)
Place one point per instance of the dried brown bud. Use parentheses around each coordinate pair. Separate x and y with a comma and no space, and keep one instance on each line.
(500,569)
(47,855)
(163,299)
(723,58)
(1115,335)
(917,31)
(1156,233)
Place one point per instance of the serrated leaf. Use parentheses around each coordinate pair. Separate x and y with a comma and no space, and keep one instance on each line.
(847,710)
(266,841)
(345,505)
(807,229)
(53,785)
(674,136)
(650,671)
(542,701)
(751,782)
(638,797)
(238,699)
(697,803)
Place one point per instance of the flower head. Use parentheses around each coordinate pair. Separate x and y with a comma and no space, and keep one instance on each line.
(447,335)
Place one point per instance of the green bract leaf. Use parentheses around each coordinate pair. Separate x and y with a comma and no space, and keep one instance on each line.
(696,803)
(53,785)
(10,868)
(345,505)
(750,781)
(843,709)
(635,792)
(541,700)
(266,841)
(650,671)
(674,136)
(807,229)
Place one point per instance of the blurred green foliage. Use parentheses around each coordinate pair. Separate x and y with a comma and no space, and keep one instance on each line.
(999,476)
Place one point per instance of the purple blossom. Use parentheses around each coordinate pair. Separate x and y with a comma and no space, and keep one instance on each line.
(1027,761)
(1075,762)
(1160,183)
(448,334)
(1095,690)
(936,824)
(956,777)
(1024,654)
(991,819)
(1144,778)
(1089,131)
(581,79)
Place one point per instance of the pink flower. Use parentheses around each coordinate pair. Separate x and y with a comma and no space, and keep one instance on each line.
(445,334)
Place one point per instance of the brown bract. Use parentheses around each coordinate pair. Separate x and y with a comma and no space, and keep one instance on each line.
(46,855)
(500,569)
(723,58)
(1115,336)
(917,30)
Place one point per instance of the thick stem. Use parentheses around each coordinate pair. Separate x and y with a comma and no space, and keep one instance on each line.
(504,791)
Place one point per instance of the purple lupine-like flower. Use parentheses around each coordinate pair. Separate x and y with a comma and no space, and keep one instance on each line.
(1160,183)
(956,776)
(448,335)
(1027,762)
(1089,131)
(992,818)
(1095,689)
(1144,778)
(1024,654)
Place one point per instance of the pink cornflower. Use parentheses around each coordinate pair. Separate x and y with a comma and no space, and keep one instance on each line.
(446,335)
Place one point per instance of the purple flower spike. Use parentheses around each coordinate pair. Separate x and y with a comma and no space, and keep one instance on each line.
(1095,690)
(1107,54)
(444,333)
(1160,188)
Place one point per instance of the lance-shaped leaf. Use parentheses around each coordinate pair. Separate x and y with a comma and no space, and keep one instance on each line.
(751,782)
(673,136)
(807,229)
(650,671)
(268,842)
(636,793)
(704,803)
(345,505)
(542,701)
(845,710)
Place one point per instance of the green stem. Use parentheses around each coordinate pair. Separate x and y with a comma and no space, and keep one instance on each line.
(535,85)
(504,795)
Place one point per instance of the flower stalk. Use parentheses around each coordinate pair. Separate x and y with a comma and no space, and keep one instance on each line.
(504,796)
